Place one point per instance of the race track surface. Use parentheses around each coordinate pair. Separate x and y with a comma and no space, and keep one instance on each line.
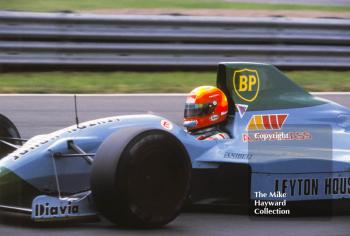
(41,114)
(35,115)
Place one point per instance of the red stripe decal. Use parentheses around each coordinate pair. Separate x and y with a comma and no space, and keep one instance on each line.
(266,122)
(281,120)
(274,124)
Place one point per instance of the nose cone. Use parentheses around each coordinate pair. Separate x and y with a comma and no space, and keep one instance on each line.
(15,191)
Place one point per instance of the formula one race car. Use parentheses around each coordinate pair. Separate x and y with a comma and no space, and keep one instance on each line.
(286,147)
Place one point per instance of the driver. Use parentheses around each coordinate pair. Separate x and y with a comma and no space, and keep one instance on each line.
(205,110)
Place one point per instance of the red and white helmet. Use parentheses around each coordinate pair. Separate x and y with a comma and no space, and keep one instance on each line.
(205,106)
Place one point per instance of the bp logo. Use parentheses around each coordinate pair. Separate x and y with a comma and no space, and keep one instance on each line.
(246,84)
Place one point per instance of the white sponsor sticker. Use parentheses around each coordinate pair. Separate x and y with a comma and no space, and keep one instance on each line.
(214,117)
(166,124)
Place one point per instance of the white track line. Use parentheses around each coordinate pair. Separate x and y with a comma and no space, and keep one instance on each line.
(135,94)
(99,95)
(330,93)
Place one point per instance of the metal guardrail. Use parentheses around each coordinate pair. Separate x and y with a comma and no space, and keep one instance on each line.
(65,41)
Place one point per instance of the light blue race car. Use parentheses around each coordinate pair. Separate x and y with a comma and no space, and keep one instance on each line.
(287,148)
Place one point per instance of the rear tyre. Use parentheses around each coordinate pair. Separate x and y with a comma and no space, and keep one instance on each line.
(7,131)
(141,178)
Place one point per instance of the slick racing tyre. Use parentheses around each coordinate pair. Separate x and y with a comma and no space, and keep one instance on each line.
(141,178)
(8,132)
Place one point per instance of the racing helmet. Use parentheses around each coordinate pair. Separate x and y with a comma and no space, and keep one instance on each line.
(205,106)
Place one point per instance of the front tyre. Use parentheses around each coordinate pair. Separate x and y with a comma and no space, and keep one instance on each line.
(141,179)
(8,133)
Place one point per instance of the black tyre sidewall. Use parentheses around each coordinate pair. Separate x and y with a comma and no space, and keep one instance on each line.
(151,179)
(7,130)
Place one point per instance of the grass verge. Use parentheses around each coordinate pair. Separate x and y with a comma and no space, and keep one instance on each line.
(59,5)
(164,82)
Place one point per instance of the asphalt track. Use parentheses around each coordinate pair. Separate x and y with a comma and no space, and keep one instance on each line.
(41,114)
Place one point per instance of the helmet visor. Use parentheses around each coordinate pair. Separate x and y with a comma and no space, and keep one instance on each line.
(198,110)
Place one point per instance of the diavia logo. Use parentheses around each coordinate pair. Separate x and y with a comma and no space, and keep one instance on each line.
(246,84)
(47,210)
(266,122)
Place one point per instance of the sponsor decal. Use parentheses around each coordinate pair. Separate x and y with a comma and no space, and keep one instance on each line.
(241,108)
(271,122)
(223,113)
(276,136)
(331,186)
(166,124)
(237,156)
(246,84)
(266,122)
(214,117)
(38,141)
(46,210)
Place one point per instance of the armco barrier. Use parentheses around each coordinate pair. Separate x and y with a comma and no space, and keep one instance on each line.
(68,41)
